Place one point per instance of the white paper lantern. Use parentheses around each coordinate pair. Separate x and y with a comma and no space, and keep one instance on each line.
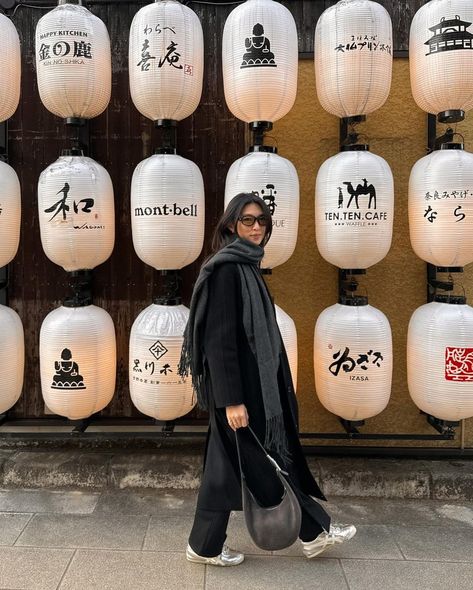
(441,56)
(12,358)
(354,209)
(353,54)
(275,180)
(10,213)
(10,68)
(353,360)
(77,360)
(441,207)
(166,60)
(260,61)
(76,212)
(155,349)
(287,327)
(440,359)
(167,211)
(73,62)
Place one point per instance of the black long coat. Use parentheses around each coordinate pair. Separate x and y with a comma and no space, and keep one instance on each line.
(231,374)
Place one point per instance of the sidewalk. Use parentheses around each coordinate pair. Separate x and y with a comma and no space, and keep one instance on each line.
(135,540)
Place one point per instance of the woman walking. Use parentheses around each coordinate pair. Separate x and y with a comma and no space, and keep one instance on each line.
(240,372)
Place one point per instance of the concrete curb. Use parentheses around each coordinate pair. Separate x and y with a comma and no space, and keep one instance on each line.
(180,468)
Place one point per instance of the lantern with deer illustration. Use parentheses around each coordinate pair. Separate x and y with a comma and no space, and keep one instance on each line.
(275,180)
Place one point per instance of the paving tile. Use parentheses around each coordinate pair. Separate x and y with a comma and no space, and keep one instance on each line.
(407,575)
(168,534)
(454,514)
(382,511)
(25,568)
(70,530)
(370,542)
(70,502)
(435,543)
(11,526)
(147,502)
(278,573)
(132,570)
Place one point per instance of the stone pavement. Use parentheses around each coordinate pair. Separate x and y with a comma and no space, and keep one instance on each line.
(134,540)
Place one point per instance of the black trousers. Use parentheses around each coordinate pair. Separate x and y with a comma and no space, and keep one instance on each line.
(208,533)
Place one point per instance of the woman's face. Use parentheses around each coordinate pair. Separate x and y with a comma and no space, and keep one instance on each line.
(255,232)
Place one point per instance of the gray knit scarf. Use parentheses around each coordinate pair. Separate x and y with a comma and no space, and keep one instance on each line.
(261,329)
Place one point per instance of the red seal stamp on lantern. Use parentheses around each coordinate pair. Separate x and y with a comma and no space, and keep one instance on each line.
(458,364)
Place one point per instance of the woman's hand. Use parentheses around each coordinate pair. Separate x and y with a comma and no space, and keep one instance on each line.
(237,416)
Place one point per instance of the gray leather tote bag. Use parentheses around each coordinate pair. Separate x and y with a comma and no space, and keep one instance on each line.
(274,527)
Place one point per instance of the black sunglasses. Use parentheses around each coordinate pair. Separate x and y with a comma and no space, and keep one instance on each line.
(249,220)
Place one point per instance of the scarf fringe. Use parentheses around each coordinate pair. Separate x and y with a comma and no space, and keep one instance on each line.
(275,438)
(198,380)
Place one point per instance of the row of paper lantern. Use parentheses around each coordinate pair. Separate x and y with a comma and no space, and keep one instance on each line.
(352,47)
(354,208)
(352,360)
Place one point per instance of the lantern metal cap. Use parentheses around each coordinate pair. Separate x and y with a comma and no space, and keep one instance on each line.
(452,146)
(162,300)
(451,116)
(72,152)
(260,126)
(356,147)
(166,123)
(451,299)
(269,149)
(354,301)
(62,2)
(165,150)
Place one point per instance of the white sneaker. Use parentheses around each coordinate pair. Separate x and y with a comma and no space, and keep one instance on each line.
(226,558)
(339,533)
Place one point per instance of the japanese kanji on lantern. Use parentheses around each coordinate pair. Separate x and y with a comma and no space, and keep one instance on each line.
(10,213)
(275,180)
(441,58)
(441,207)
(440,358)
(260,61)
(354,208)
(166,60)
(353,359)
(73,62)
(77,353)
(353,54)
(167,211)
(155,347)
(76,212)
(10,68)
(287,327)
(12,358)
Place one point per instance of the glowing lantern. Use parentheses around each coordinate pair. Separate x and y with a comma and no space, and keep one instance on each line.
(73,62)
(441,58)
(155,349)
(353,359)
(166,60)
(275,180)
(260,61)
(440,358)
(354,208)
(12,358)
(167,211)
(441,206)
(77,360)
(353,57)
(10,68)
(76,212)
(10,213)
(287,327)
